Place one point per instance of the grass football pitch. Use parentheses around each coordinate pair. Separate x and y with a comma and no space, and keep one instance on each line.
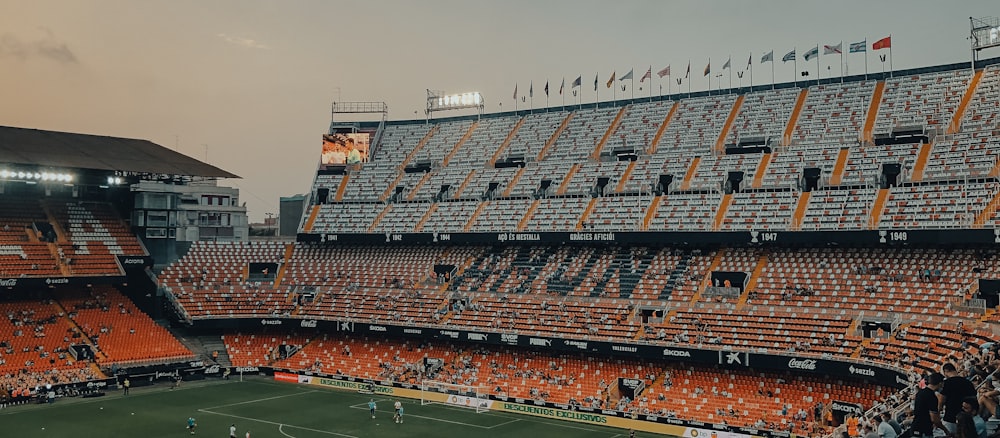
(271,409)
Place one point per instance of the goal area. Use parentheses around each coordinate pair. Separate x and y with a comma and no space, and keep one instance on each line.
(463,396)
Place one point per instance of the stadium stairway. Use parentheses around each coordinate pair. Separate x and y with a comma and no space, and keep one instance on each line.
(416,188)
(418,147)
(623,181)
(209,344)
(596,154)
(758,178)
(312,219)
(800,210)
(663,127)
(650,212)
(459,143)
(705,282)
(720,143)
(987,212)
(676,277)
(878,208)
(586,213)
(838,168)
(56,226)
(786,138)
(918,168)
(873,107)
(506,142)
(342,188)
(692,169)
(464,184)
(754,279)
(956,120)
(425,217)
(555,136)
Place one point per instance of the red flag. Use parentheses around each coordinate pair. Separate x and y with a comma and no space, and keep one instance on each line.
(883,43)
(648,75)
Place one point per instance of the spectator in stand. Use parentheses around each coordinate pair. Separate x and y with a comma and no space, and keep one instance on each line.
(883,428)
(926,416)
(954,390)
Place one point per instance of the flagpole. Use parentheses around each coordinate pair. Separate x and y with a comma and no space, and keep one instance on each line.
(841,61)
(751,72)
(772,69)
(597,104)
(890,55)
(730,73)
(795,74)
(817,64)
(866,57)
(651,82)
(633,87)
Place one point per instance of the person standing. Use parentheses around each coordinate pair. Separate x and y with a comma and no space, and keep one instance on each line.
(398,416)
(191,424)
(232,431)
(126,384)
(926,416)
(954,390)
(371,407)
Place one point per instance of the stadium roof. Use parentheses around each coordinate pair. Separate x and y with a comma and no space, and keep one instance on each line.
(83,151)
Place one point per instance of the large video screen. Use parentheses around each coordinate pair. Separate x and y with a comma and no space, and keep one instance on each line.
(345,148)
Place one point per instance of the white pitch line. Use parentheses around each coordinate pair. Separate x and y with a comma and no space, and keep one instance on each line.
(261,399)
(405,415)
(504,424)
(276,424)
(289,436)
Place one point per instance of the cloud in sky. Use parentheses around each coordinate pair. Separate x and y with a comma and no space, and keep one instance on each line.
(243,42)
(48,47)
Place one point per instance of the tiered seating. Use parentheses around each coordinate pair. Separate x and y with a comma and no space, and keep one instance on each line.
(535,131)
(450,217)
(638,126)
(712,171)
(864,164)
(209,280)
(27,259)
(97,235)
(767,331)
(536,315)
(123,333)
(346,218)
(582,134)
(451,176)
(921,347)
(763,114)
(533,175)
(927,100)
(34,339)
(839,209)
(370,182)
(760,211)
(398,140)
(402,217)
(501,215)
(696,126)
(258,350)
(557,214)
(935,206)
(673,275)
(585,179)
(833,114)
(686,212)
(362,267)
(972,152)
(441,143)
(480,182)
(880,282)
(786,166)
(618,213)
(484,142)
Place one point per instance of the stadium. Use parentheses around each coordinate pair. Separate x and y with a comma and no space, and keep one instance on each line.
(760,261)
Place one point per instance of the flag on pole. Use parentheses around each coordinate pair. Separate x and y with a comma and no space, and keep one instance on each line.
(749,61)
(562,86)
(648,75)
(515,91)
(860,46)
(812,53)
(664,72)
(790,56)
(578,82)
(708,68)
(728,62)
(611,80)
(626,76)
(829,50)
(531,89)
(546,88)
(688,74)
(595,82)
(768,57)
(883,43)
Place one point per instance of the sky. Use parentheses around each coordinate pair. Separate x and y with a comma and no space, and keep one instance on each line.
(247,85)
